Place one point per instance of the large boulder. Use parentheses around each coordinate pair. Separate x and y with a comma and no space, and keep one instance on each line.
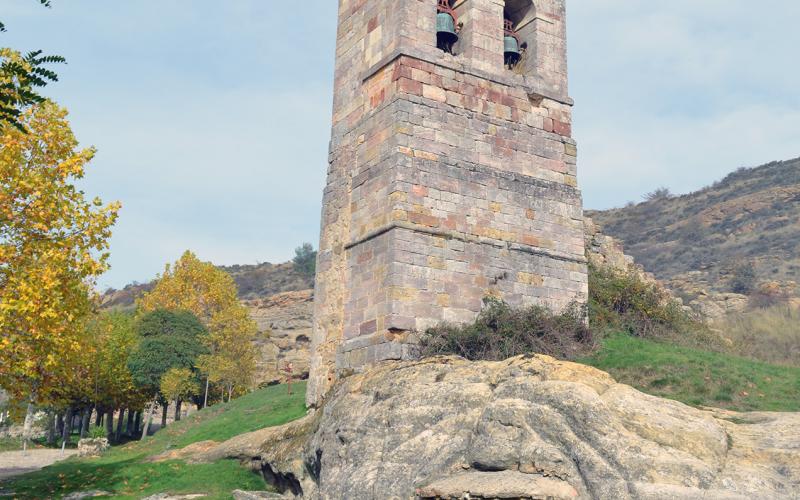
(93,447)
(529,427)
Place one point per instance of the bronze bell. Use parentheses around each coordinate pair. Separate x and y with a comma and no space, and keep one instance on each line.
(512,50)
(446,31)
(446,35)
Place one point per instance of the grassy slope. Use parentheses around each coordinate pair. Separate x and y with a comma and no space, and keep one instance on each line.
(124,472)
(699,378)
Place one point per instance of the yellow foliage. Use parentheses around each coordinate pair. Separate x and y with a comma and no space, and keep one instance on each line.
(53,244)
(178,384)
(191,285)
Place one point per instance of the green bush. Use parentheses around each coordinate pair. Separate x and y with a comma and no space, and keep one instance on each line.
(744,279)
(619,302)
(501,332)
(623,301)
(97,432)
(305,259)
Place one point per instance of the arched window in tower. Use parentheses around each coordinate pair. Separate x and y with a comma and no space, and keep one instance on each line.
(517,15)
(447,26)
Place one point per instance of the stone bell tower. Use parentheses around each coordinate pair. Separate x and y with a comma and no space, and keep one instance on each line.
(452,174)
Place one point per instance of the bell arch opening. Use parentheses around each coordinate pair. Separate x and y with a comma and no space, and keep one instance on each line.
(447,26)
(518,35)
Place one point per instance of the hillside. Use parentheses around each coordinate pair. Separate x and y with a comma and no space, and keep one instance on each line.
(254,282)
(753,215)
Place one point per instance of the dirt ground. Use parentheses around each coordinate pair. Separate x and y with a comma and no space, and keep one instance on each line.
(14,463)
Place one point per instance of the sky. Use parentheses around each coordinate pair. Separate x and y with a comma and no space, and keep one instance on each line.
(212,118)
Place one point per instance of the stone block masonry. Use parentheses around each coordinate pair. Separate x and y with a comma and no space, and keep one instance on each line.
(451,178)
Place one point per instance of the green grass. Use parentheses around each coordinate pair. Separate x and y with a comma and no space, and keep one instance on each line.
(10,444)
(124,472)
(699,378)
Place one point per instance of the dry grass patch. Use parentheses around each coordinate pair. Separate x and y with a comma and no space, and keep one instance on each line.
(771,334)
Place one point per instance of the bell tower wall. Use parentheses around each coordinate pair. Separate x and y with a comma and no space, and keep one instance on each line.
(451,178)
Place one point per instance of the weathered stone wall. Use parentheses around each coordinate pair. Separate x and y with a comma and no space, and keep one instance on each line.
(451,178)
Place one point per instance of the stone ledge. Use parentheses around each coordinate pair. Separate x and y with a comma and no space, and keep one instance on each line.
(531,84)
(466,238)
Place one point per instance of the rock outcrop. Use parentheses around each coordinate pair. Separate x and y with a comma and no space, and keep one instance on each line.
(285,323)
(529,427)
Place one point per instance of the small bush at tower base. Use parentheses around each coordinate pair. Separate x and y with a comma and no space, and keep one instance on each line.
(501,332)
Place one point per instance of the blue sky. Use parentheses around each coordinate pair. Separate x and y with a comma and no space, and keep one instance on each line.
(212,117)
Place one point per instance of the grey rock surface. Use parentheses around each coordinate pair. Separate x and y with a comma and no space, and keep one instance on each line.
(529,427)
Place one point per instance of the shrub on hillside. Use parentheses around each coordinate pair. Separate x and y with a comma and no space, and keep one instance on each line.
(624,301)
(744,278)
(661,193)
(501,332)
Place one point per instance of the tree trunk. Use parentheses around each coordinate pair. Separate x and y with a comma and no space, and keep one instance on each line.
(59,424)
(87,416)
(51,428)
(120,420)
(164,409)
(110,424)
(137,423)
(205,398)
(28,426)
(129,424)
(99,418)
(178,410)
(65,436)
(149,418)
(230,392)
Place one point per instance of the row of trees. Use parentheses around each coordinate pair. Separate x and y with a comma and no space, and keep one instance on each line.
(163,353)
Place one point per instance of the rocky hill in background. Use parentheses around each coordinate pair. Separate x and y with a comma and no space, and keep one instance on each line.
(254,282)
(695,242)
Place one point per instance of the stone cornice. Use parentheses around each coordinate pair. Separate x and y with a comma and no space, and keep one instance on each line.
(532,85)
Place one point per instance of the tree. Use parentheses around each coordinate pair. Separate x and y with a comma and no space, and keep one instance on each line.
(191,285)
(178,384)
(662,193)
(53,245)
(168,339)
(305,259)
(232,358)
(211,295)
(19,78)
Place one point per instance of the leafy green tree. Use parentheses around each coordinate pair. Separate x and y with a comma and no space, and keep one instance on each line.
(305,259)
(211,294)
(168,339)
(20,77)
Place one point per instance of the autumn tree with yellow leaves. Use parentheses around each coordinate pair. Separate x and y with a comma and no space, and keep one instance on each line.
(53,245)
(232,361)
(210,294)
